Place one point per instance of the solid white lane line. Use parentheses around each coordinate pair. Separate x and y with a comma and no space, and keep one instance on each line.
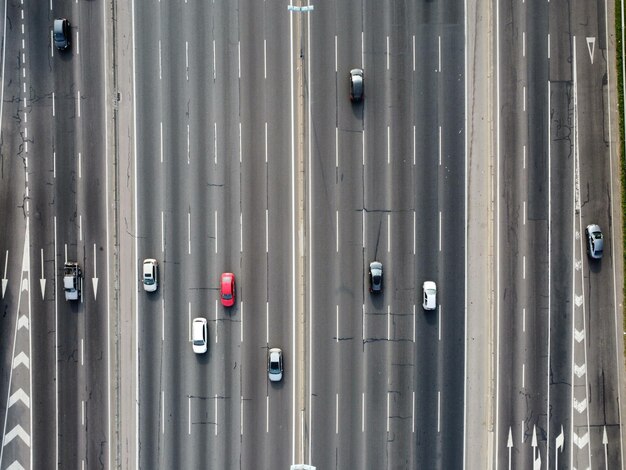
(524,157)
(53,105)
(363,227)
(216,415)
(524,319)
(548,45)
(161,139)
(80,165)
(65,252)
(241,415)
(267,231)
(240,232)
(187,58)
(523,375)
(160,62)
(162,319)
(82,352)
(54,164)
(188,414)
(363,144)
(51,39)
(363,322)
(414,231)
(78,101)
(162,232)
(336,413)
(388,144)
(215,142)
(414,53)
(337,229)
(362,49)
(265,58)
(240,146)
(524,267)
(440,318)
(239,59)
(523,43)
(336,147)
(524,216)
(216,323)
(216,231)
(162,411)
(438,410)
(439,53)
(80,228)
(440,146)
(439,230)
(414,147)
(363,412)
(188,150)
(267,413)
(189,232)
(82,412)
(189,321)
(524,100)
(267,322)
(241,328)
(214,61)
(335,53)
(388,232)
(265,143)
(522,433)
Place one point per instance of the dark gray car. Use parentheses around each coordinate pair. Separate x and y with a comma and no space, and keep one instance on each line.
(376,276)
(356,84)
(595,241)
(61,33)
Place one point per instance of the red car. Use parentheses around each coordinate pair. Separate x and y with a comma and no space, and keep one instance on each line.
(227,289)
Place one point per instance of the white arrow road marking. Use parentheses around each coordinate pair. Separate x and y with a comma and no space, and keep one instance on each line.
(559,447)
(533,443)
(509,444)
(17,431)
(15,466)
(537,465)
(580,370)
(21,358)
(591,42)
(94,280)
(579,335)
(580,441)
(42,279)
(580,406)
(20,395)
(578,300)
(5,281)
(578,265)
(23,322)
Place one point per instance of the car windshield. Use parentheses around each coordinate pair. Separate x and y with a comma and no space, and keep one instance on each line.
(227,296)
(597,235)
(148,280)
(198,342)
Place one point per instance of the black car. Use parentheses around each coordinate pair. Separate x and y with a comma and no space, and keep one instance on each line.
(356,84)
(376,276)
(61,33)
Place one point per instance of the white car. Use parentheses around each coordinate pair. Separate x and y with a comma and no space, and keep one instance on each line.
(430,295)
(150,275)
(275,365)
(198,335)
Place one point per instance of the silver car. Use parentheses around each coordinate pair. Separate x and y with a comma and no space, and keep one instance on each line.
(275,365)
(356,84)
(595,241)
(376,276)
(150,275)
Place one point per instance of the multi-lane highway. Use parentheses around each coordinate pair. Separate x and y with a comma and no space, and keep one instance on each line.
(220,137)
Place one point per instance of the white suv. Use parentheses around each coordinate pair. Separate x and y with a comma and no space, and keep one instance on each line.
(198,335)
